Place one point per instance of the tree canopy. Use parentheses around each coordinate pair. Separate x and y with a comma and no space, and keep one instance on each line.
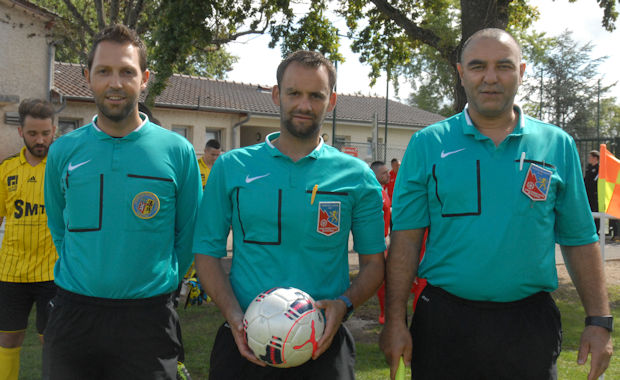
(182,36)
(422,39)
(417,38)
(566,86)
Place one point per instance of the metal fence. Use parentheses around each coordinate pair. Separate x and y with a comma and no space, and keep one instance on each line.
(585,145)
(366,151)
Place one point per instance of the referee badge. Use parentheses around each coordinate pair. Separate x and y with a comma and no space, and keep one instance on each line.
(145,205)
(329,218)
(536,184)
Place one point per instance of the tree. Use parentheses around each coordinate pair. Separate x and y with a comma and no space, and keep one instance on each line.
(423,38)
(314,31)
(609,121)
(400,36)
(420,38)
(182,36)
(80,20)
(565,90)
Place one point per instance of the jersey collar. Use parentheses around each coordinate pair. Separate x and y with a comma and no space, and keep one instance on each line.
(23,160)
(133,135)
(470,128)
(275,152)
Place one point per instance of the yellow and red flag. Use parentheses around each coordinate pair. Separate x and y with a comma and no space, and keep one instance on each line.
(608,185)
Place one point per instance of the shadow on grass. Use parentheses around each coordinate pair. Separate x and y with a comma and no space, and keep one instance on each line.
(200,323)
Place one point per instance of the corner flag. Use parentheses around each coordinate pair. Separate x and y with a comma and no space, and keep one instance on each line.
(608,185)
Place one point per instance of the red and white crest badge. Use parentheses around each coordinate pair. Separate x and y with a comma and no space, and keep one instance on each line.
(329,218)
(536,184)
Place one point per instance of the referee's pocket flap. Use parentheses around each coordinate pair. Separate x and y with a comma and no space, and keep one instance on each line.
(259,213)
(457,188)
(85,195)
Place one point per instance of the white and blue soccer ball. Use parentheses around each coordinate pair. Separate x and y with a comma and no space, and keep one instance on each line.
(282,327)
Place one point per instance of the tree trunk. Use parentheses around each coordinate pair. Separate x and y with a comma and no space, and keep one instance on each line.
(100,14)
(476,15)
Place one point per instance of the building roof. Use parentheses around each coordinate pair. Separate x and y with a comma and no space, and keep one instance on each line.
(198,93)
(36,9)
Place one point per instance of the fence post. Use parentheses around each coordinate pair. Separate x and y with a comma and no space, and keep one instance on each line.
(601,237)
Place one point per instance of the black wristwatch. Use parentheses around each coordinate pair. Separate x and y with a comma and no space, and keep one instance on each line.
(606,322)
(349,304)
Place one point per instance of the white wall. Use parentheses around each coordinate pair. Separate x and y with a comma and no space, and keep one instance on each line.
(24,63)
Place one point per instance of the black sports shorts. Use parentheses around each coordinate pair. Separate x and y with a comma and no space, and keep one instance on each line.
(337,363)
(16,300)
(454,338)
(100,338)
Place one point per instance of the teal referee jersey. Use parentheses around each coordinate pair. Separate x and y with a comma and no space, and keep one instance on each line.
(122,210)
(281,235)
(495,213)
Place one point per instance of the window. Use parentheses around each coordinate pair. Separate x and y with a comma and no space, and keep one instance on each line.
(183,130)
(66,125)
(340,141)
(213,134)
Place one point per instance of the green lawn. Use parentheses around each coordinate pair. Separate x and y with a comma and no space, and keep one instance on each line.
(199,324)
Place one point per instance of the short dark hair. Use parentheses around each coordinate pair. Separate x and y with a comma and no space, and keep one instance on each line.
(147,111)
(308,59)
(120,34)
(394,160)
(493,33)
(213,143)
(376,164)
(35,108)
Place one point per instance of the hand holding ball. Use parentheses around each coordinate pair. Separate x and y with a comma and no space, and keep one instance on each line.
(282,327)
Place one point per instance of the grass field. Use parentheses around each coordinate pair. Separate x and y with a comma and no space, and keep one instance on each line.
(199,324)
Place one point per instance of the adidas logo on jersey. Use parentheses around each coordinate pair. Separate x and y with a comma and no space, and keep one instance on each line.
(32,179)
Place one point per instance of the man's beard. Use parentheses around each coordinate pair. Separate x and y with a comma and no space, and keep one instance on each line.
(42,149)
(302,132)
(119,115)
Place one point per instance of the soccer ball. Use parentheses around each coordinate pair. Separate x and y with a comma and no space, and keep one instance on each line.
(282,327)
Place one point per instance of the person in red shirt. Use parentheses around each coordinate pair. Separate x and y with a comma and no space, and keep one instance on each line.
(381,172)
(392,179)
(385,179)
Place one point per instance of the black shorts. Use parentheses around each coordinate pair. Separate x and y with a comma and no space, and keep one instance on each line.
(337,363)
(454,338)
(99,338)
(16,300)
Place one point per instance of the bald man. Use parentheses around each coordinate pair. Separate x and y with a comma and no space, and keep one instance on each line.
(497,190)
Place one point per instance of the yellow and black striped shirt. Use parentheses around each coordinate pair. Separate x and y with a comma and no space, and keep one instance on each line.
(204,171)
(27,253)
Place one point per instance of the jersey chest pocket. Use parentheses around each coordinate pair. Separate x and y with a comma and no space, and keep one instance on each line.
(259,211)
(536,187)
(457,188)
(84,202)
(150,203)
(330,214)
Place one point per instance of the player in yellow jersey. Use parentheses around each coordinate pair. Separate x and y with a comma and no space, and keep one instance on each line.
(212,152)
(27,254)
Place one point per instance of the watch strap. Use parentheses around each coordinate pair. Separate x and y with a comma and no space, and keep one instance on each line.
(606,322)
(349,305)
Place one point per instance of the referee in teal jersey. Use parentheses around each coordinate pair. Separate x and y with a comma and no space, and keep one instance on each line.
(292,202)
(121,197)
(497,190)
